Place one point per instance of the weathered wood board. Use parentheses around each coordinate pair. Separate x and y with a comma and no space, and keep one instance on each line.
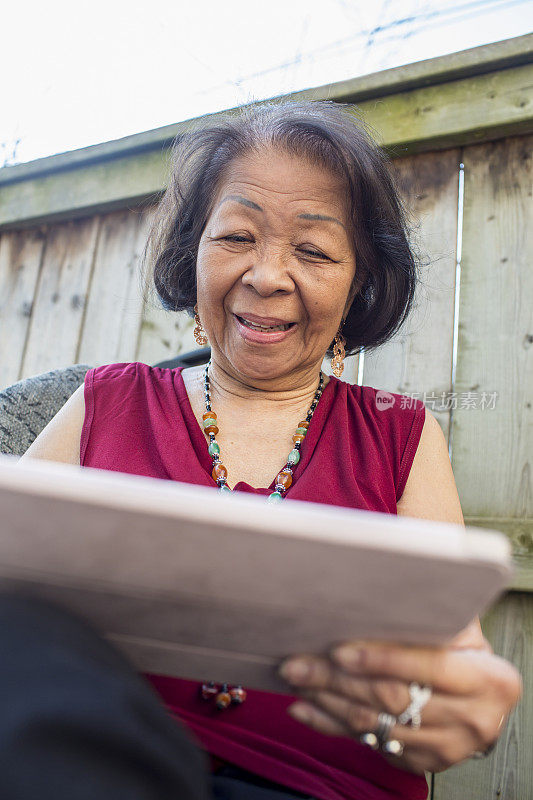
(20,261)
(507,774)
(419,358)
(493,446)
(58,310)
(114,307)
(163,334)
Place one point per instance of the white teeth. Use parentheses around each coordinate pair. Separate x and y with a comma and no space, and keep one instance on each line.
(255,327)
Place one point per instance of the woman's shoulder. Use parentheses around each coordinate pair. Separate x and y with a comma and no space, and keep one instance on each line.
(125,369)
(399,416)
(129,371)
(389,424)
(385,405)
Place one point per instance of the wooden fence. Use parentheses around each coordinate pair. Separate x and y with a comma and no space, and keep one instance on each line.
(459,128)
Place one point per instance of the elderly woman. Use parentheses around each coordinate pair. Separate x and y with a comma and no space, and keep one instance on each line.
(282,232)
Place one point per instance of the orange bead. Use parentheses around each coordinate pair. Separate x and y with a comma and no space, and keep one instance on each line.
(211,429)
(219,471)
(284,479)
(223,700)
(209,415)
(303,424)
(297,439)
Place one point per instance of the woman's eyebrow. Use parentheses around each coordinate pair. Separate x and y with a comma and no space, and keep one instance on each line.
(255,207)
(321,218)
(242,200)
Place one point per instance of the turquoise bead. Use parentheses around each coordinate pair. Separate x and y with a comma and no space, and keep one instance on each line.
(275,497)
(225,488)
(214,449)
(293,457)
(300,431)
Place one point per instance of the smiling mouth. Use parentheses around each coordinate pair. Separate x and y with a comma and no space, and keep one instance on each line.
(255,327)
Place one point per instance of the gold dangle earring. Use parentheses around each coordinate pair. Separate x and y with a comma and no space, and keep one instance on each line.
(199,333)
(339,352)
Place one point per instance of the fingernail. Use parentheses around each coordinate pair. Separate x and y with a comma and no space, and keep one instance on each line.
(349,656)
(295,671)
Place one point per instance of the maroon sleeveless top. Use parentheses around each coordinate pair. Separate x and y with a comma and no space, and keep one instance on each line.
(357,453)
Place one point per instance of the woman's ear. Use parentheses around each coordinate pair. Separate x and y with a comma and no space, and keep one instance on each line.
(347,307)
(355,288)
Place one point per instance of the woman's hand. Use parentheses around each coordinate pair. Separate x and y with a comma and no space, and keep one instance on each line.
(473,692)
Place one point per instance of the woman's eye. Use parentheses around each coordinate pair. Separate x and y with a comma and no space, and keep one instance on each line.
(237,239)
(313,253)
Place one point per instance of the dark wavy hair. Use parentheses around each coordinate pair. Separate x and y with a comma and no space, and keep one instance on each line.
(327,133)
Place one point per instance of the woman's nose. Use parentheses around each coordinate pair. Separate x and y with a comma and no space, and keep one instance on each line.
(269,273)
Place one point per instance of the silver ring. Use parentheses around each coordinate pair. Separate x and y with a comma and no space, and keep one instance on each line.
(370,740)
(379,739)
(393,747)
(385,724)
(418,696)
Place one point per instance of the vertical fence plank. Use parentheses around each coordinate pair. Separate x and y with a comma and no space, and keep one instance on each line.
(60,298)
(419,358)
(495,444)
(507,774)
(495,352)
(163,334)
(114,307)
(20,260)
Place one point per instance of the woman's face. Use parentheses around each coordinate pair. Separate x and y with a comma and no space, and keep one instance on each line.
(275,266)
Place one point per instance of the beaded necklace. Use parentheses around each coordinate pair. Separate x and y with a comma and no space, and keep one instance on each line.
(284,478)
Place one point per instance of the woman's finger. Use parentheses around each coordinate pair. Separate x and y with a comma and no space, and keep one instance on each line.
(436,667)
(320,673)
(442,746)
(427,749)
(382,677)
(431,748)
(381,694)
(358,719)
(440,711)
(447,670)
(318,720)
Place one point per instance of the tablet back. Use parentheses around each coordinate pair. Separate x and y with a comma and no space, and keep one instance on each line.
(193,583)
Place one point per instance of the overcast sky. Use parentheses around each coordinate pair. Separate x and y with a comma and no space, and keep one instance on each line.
(77,73)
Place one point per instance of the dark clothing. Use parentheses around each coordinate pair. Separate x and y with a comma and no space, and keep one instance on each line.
(77,722)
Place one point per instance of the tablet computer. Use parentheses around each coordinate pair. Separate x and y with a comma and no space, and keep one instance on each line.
(195,583)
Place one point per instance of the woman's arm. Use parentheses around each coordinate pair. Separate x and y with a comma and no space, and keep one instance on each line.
(431,493)
(60,440)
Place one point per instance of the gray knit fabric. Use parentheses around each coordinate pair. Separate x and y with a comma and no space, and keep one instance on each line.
(28,406)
